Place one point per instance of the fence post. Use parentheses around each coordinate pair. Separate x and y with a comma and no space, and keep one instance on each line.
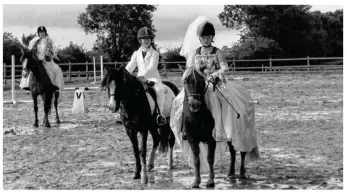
(5,73)
(87,74)
(94,70)
(234,65)
(308,63)
(102,67)
(270,64)
(70,70)
(13,73)
(262,68)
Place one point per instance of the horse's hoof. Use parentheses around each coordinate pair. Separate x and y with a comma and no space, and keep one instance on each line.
(36,125)
(242,177)
(58,121)
(48,125)
(210,184)
(144,180)
(231,174)
(150,168)
(196,184)
(136,176)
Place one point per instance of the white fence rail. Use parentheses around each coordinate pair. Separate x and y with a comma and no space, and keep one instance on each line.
(235,67)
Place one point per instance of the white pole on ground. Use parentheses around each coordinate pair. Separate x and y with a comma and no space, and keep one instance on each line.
(13,79)
(94,71)
(101,67)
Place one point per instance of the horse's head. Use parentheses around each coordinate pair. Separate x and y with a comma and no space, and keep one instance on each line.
(195,88)
(119,83)
(27,61)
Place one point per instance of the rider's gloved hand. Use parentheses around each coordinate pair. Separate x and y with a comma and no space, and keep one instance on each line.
(144,82)
(214,78)
(142,79)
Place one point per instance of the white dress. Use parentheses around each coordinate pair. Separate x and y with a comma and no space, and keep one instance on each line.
(240,131)
(45,48)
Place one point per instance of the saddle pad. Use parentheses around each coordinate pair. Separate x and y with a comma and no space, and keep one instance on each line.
(169,97)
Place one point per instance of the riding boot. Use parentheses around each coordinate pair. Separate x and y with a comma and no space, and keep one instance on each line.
(184,135)
(183,129)
(161,119)
(55,88)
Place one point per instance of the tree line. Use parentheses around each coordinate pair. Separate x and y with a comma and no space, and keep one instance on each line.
(276,31)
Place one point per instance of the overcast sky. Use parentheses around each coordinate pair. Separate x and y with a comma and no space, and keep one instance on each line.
(171,22)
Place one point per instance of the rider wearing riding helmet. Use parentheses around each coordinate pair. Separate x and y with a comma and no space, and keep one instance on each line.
(42,44)
(146,59)
(224,98)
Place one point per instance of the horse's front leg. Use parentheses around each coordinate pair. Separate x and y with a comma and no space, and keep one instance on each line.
(47,101)
(143,151)
(36,123)
(156,139)
(210,159)
(134,142)
(242,168)
(56,97)
(232,151)
(194,145)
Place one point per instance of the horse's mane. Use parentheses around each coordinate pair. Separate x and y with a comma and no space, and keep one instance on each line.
(108,77)
(113,73)
(188,72)
(26,53)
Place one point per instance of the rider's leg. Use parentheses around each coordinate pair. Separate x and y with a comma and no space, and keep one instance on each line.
(160,93)
(213,104)
(55,73)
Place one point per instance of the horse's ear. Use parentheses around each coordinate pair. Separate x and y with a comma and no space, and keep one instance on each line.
(22,50)
(107,69)
(121,68)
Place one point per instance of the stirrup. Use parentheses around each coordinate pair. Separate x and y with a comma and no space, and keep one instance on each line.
(161,120)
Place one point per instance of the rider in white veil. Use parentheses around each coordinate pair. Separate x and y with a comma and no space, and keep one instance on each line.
(190,42)
(227,127)
(43,45)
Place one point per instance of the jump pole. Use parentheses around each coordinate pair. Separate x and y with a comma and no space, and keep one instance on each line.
(13,90)
(101,67)
(94,71)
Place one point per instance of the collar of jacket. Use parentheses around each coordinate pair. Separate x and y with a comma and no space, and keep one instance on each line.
(148,54)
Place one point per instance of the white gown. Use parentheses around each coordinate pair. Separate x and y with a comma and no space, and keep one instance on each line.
(240,131)
(45,47)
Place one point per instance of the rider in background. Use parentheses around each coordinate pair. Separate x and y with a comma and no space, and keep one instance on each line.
(146,59)
(42,44)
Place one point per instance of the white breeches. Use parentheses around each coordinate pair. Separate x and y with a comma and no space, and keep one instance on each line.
(159,89)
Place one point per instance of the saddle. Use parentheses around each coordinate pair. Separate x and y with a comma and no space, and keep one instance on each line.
(148,86)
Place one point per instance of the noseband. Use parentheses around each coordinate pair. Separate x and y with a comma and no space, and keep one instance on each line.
(199,94)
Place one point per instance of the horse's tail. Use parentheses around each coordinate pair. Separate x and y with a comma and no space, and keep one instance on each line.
(165,135)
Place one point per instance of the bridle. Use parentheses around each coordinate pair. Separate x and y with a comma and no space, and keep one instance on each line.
(199,94)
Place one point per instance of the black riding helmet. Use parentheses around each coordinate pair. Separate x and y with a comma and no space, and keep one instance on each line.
(145,32)
(41,29)
(206,29)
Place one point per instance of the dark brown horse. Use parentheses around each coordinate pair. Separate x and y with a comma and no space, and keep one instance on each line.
(127,93)
(198,123)
(40,84)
